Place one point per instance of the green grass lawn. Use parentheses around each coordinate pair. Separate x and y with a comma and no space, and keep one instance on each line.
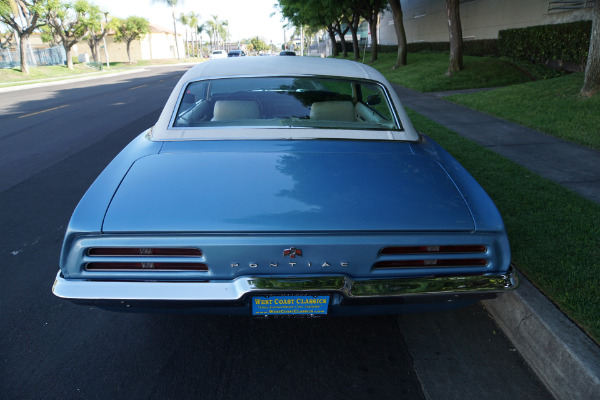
(426,72)
(554,233)
(11,75)
(552,106)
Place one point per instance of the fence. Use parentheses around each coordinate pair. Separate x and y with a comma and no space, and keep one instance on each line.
(35,57)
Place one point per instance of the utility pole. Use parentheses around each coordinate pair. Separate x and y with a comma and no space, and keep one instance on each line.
(301,41)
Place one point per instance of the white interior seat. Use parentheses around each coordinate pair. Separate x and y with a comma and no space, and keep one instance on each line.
(332,111)
(227,110)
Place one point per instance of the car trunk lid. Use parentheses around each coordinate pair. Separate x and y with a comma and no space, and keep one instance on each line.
(284,191)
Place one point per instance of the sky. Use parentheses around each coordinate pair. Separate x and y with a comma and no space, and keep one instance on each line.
(247,18)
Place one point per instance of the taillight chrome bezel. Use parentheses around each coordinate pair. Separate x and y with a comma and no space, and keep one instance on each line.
(144,252)
(432,256)
(128,259)
(434,249)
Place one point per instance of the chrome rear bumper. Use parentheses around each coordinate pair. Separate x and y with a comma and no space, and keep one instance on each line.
(236,289)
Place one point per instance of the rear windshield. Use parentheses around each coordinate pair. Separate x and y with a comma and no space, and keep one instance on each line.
(286,101)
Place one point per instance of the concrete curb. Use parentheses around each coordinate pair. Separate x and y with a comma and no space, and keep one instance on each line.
(566,360)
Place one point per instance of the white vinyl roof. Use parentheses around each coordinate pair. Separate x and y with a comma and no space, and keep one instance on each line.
(271,66)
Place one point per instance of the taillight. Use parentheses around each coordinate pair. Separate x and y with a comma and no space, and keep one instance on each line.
(448,249)
(474,262)
(459,252)
(143,251)
(145,259)
(145,266)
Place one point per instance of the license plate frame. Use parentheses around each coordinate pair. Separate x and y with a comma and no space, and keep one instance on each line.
(290,304)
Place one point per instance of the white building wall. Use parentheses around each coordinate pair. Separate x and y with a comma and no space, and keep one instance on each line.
(425,20)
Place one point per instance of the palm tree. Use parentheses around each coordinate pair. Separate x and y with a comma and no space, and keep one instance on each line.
(190,20)
(185,21)
(224,32)
(193,19)
(172,4)
(214,26)
(199,30)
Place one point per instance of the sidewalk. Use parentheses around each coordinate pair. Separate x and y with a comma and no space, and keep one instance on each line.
(570,165)
(564,357)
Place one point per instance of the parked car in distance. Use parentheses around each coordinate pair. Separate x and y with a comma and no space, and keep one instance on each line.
(216,54)
(274,186)
(287,53)
(236,53)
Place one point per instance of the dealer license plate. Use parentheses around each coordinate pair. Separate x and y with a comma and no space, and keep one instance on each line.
(290,305)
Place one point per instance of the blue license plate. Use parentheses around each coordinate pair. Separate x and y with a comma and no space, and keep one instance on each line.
(290,305)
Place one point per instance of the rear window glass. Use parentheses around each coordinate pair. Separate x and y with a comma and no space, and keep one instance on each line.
(286,101)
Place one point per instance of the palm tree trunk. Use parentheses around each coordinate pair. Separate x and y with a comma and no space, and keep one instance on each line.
(175,29)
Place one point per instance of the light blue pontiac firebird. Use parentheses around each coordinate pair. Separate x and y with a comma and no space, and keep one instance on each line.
(277,186)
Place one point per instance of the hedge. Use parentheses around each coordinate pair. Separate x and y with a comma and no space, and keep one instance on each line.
(479,48)
(548,44)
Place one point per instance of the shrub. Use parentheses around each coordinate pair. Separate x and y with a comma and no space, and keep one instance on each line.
(558,45)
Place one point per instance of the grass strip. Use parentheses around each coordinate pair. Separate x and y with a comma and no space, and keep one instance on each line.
(554,233)
(552,106)
(426,72)
(10,75)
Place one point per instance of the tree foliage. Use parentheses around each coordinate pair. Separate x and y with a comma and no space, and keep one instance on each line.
(258,44)
(217,32)
(97,32)
(71,21)
(23,16)
(337,17)
(130,29)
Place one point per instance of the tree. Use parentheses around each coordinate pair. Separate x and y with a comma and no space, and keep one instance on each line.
(316,14)
(331,32)
(258,44)
(172,4)
(455,31)
(213,31)
(23,17)
(199,30)
(130,29)
(96,34)
(71,22)
(591,83)
(183,18)
(223,32)
(337,27)
(352,18)
(370,10)
(398,16)
(193,24)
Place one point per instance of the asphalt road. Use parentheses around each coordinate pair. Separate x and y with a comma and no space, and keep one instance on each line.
(54,142)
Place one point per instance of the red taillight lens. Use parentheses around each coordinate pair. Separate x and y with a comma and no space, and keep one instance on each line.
(143,251)
(145,266)
(448,249)
(475,262)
